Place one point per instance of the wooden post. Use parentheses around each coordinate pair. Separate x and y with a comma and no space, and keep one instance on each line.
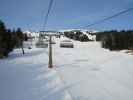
(50,52)
(23,51)
(22,48)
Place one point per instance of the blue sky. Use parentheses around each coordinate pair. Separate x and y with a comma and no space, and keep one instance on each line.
(65,14)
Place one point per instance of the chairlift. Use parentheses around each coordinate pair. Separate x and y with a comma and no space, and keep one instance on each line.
(41,44)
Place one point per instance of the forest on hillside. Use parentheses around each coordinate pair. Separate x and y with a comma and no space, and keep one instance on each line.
(10,39)
(116,40)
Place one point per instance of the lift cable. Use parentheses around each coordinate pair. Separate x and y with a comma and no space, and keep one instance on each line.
(47,15)
(108,18)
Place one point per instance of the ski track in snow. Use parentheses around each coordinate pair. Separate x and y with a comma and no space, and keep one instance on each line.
(85,72)
(28,78)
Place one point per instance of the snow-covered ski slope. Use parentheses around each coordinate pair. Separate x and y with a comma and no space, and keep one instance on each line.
(85,72)
(28,78)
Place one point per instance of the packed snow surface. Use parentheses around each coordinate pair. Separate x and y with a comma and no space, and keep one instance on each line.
(85,72)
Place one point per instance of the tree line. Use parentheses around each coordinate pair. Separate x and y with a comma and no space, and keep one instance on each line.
(116,40)
(77,35)
(10,39)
